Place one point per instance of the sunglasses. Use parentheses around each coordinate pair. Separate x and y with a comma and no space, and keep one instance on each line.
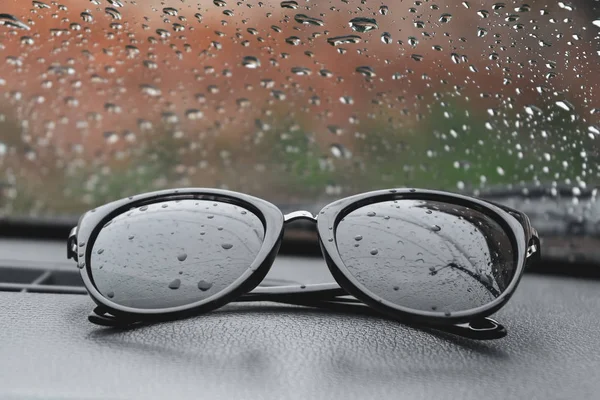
(428,258)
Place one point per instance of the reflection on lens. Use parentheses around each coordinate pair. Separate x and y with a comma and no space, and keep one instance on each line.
(174,253)
(427,255)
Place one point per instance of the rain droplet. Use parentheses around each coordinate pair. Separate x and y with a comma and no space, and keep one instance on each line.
(227,246)
(374,252)
(170,11)
(306,20)
(113,12)
(361,24)
(39,4)
(293,40)
(436,228)
(110,294)
(175,283)
(301,71)
(289,4)
(13,22)
(386,37)
(150,90)
(366,71)
(371,214)
(194,114)
(86,16)
(358,238)
(204,285)
(182,257)
(346,39)
(565,105)
(445,18)
(251,62)
(100,251)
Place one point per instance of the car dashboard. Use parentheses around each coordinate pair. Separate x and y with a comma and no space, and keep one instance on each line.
(274,351)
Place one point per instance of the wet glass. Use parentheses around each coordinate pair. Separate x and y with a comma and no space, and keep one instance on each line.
(293,101)
(174,253)
(427,255)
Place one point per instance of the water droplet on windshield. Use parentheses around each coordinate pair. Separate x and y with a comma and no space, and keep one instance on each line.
(366,71)
(306,20)
(361,24)
(227,246)
(374,252)
(113,12)
(175,284)
(289,4)
(251,62)
(182,257)
(12,22)
(170,11)
(346,39)
(445,18)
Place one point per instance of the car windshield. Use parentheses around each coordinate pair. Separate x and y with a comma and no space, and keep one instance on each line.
(298,102)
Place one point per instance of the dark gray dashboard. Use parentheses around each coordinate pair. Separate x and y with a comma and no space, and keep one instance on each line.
(253,351)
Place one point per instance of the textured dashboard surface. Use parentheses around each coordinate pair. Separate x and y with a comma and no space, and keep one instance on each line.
(265,351)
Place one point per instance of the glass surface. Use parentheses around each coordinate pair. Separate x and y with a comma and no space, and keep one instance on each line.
(297,102)
(427,255)
(174,253)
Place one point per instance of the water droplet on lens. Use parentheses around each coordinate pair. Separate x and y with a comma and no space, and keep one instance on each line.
(110,295)
(371,214)
(358,238)
(374,252)
(100,251)
(175,284)
(396,287)
(227,246)
(182,257)
(143,208)
(447,314)
(204,285)
(436,228)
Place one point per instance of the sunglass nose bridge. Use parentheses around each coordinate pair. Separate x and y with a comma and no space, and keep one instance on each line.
(297,215)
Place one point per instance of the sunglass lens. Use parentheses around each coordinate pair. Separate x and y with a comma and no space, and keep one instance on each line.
(174,253)
(427,255)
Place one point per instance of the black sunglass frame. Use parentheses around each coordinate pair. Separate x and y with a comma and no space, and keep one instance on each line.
(471,323)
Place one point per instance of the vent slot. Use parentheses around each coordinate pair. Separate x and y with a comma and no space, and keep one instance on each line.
(39,280)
